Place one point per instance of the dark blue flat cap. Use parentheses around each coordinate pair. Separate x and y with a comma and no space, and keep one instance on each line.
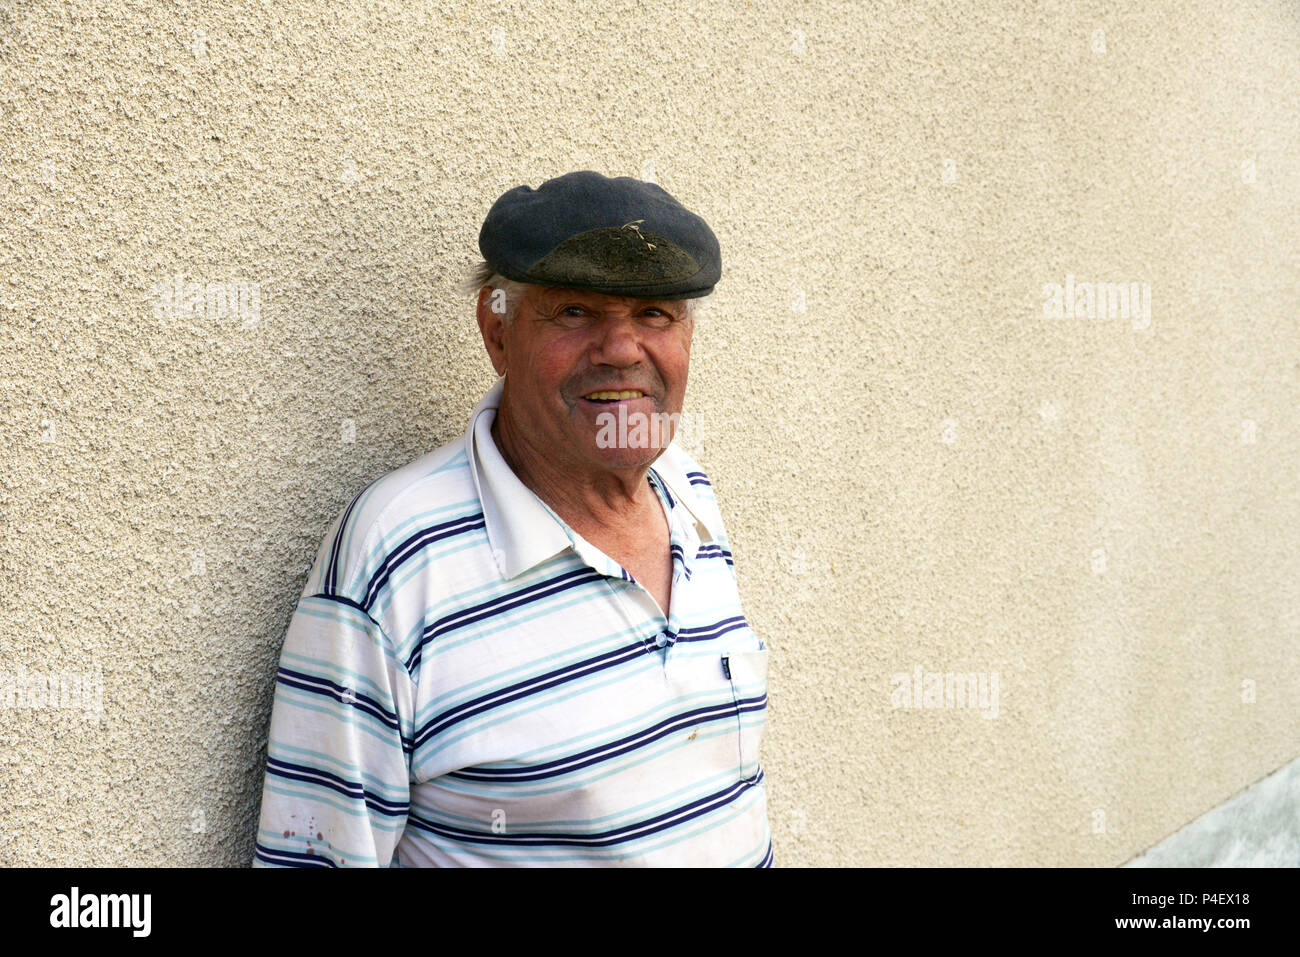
(619,236)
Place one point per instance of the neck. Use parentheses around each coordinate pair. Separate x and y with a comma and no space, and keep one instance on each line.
(607,499)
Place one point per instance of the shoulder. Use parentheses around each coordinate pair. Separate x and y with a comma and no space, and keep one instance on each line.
(438,485)
(685,474)
(678,459)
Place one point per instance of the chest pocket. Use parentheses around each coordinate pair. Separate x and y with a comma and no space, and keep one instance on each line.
(747,673)
(727,691)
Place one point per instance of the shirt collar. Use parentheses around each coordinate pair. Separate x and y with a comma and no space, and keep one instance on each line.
(521,530)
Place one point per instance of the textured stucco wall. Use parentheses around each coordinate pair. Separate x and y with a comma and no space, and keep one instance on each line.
(918,467)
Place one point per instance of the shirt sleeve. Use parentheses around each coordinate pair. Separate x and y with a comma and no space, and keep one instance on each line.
(336,791)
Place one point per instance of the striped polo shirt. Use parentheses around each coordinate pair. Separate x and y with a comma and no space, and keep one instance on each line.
(467,681)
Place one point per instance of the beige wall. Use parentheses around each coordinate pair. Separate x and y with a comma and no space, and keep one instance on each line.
(918,468)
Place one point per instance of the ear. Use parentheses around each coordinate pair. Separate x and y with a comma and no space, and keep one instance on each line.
(493,328)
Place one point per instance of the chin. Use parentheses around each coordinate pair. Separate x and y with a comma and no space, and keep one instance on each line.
(627,458)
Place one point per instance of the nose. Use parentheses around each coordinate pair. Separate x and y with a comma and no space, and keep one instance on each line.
(617,342)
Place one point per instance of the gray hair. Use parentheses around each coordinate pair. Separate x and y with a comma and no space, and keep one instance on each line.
(512,293)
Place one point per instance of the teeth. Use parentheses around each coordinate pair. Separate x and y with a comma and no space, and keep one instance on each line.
(630,394)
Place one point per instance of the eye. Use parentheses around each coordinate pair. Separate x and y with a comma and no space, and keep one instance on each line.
(572,317)
(655,316)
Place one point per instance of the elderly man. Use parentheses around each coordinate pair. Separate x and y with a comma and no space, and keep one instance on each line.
(527,647)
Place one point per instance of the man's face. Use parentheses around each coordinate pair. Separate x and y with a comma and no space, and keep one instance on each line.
(567,346)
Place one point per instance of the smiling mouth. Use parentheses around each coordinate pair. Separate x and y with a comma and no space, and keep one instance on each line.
(609,396)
